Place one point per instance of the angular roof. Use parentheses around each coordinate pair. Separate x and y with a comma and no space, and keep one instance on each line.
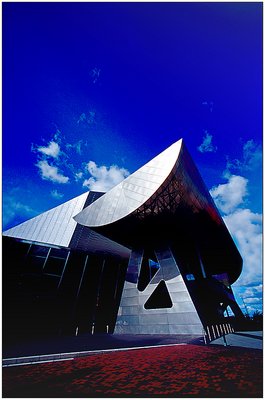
(55,226)
(132,192)
(166,201)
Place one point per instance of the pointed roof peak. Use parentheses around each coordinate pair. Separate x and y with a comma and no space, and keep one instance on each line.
(133,191)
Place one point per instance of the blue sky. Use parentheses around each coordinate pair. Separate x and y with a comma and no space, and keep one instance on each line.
(92,91)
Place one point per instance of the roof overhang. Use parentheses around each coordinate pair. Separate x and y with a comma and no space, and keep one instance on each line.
(166,201)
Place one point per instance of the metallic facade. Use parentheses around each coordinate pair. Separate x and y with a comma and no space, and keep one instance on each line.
(166,207)
(177,317)
(131,193)
(162,224)
(55,226)
(179,210)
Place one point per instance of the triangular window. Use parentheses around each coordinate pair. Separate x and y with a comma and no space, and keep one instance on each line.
(228,312)
(160,298)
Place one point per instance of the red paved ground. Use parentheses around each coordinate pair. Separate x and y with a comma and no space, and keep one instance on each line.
(175,371)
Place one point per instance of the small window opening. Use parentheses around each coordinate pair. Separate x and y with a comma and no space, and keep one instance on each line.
(190,277)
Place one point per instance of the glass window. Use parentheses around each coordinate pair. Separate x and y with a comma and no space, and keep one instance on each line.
(39,250)
(48,284)
(59,253)
(34,264)
(20,248)
(54,266)
(228,312)
(190,277)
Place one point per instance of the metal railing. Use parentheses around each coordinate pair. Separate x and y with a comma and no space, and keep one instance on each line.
(216,331)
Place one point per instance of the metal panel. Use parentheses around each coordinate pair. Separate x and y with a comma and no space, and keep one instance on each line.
(176,286)
(188,318)
(168,266)
(154,329)
(94,214)
(189,329)
(180,297)
(44,227)
(130,320)
(134,265)
(153,319)
(181,318)
(130,301)
(129,292)
(130,310)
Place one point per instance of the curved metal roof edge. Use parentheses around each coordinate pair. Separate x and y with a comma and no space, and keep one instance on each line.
(132,192)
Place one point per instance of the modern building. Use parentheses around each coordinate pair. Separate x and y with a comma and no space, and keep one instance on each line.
(152,255)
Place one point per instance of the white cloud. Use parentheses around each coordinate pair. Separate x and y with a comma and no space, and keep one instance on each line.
(253,291)
(51,173)
(76,146)
(246,228)
(104,178)
(230,195)
(87,118)
(252,153)
(207,146)
(252,310)
(253,300)
(56,195)
(78,176)
(82,118)
(52,150)
(14,209)
(94,74)
(91,117)
(252,158)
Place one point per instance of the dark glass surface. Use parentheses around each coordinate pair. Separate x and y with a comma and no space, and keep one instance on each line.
(134,265)
(36,250)
(62,253)
(54,265)
(41,302)
(48,285)
(34,264)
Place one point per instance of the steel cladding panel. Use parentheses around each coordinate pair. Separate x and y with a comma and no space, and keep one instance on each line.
(55,226)
(181,318)
(121,201)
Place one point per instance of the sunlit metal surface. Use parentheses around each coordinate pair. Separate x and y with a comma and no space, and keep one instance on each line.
(181,318)
(131,193)
(179,212)
(133,317)
(162,222)
(55,226)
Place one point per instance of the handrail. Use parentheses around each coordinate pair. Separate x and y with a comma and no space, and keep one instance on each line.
(215,331)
